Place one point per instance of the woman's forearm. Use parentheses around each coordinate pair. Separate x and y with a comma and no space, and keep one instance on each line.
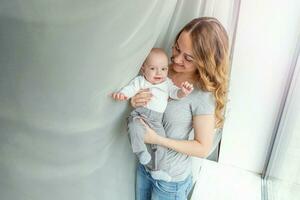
(189,147)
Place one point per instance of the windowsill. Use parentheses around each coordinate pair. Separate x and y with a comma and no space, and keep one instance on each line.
(222,182)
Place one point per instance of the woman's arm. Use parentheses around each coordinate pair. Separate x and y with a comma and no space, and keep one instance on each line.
(201,145)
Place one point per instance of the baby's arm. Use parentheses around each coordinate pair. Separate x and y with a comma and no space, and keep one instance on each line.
(186,89)
(177,93)
(129,90)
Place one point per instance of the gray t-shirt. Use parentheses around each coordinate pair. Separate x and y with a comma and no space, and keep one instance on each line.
(177,121)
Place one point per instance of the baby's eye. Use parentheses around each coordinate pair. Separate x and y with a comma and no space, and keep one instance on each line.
(165,69)
(152,68)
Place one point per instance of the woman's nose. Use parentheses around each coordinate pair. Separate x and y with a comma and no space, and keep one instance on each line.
(178,59)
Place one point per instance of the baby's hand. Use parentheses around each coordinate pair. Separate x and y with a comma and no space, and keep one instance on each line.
(119,96)
(187,88)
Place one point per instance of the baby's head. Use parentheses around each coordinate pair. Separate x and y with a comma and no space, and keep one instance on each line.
(155,67)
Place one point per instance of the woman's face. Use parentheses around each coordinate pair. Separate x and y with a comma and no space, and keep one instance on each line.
(182,54)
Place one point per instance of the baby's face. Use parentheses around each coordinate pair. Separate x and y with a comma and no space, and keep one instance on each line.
(155,69)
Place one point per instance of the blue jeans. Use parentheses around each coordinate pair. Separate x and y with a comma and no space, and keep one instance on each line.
(148,188)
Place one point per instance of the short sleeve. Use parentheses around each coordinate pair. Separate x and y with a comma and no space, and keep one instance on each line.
(203,103)
(173,89)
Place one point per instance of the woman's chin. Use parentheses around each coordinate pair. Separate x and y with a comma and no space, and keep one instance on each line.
(178,68)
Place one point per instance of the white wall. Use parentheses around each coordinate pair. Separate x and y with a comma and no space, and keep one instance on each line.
(265,42)
(283,173)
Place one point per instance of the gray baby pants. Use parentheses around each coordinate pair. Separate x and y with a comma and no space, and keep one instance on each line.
(136,132)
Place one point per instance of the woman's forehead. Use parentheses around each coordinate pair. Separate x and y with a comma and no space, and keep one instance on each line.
(185,43)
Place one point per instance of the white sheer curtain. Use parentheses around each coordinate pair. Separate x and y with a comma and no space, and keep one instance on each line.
(61,136)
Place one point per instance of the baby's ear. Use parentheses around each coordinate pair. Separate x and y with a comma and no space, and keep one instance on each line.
(140,72)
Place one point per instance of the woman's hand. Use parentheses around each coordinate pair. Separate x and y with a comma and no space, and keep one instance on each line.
(141,98)
(151,136)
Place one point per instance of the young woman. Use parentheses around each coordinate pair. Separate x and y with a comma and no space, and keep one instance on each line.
(199,56)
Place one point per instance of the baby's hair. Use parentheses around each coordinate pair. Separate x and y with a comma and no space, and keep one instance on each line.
(156,51)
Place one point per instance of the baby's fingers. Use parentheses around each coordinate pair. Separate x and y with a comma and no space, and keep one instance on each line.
(123,97)
(118,96)
(190,86)
(186,84)
(187,87)
(114,95)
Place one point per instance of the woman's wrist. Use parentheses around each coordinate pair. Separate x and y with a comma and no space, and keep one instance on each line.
(160,140)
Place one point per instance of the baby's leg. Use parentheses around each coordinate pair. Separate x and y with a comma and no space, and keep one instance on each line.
(136,132)
(158,173)
(159,158)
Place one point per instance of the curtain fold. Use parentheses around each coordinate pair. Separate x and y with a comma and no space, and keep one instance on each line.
(61,136)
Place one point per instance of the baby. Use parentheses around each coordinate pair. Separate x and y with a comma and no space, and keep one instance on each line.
(154,76)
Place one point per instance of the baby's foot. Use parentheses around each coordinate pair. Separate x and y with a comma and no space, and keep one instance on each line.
(161,175)
(144,157)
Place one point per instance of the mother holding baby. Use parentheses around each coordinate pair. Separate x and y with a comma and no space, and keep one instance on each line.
(199,56)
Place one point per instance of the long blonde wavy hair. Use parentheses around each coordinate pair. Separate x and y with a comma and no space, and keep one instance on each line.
(210,50)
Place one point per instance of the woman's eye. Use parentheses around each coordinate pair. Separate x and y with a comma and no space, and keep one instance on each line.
(188,59)
(176,48)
